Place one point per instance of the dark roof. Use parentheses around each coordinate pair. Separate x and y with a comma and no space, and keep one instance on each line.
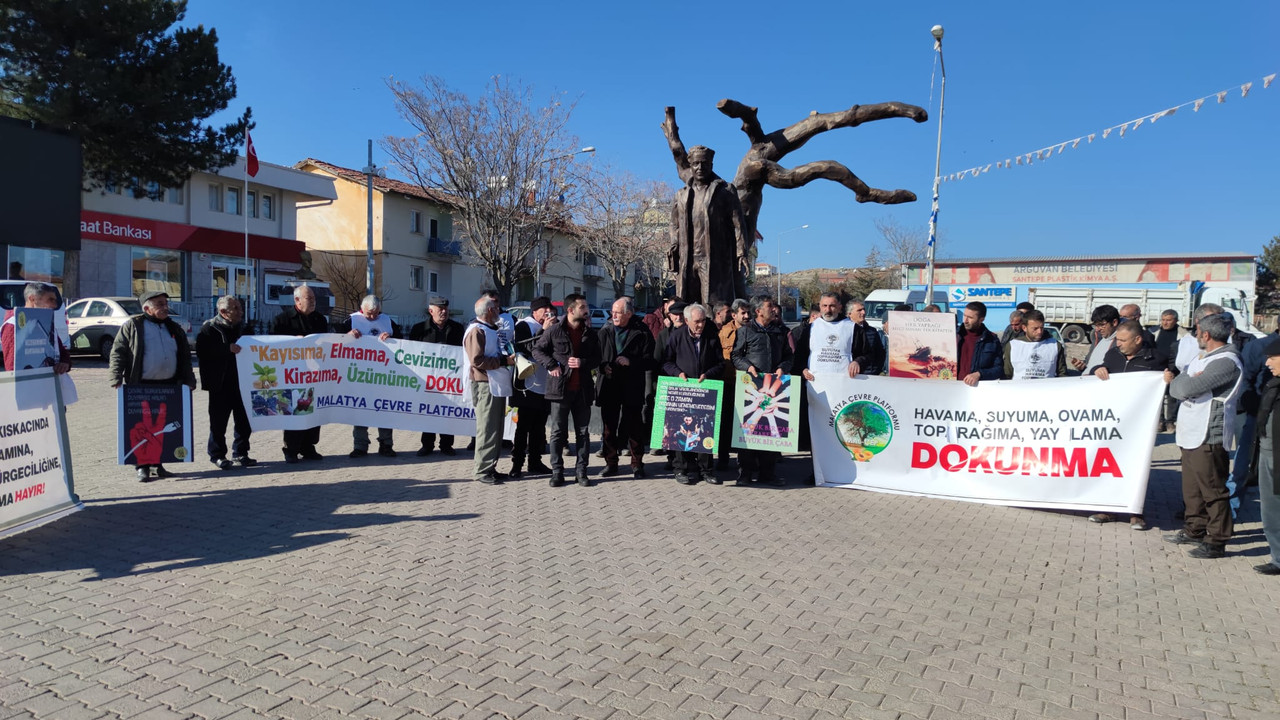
(381,183)
(1094,258)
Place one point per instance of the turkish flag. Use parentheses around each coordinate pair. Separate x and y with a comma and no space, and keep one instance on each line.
(251,155)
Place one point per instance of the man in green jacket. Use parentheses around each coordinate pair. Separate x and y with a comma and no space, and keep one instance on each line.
(152,349)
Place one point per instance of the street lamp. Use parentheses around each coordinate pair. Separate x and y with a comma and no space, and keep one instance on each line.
(538,250)
(784,232)
(936,31)
(370,171)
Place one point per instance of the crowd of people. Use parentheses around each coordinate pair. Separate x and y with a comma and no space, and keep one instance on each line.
(1222,385)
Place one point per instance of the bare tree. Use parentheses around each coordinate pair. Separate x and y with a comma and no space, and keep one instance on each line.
(505,162)
(346,274)
(624,223)
(898,244)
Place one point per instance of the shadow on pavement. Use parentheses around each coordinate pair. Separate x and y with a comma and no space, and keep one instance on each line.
(115,536)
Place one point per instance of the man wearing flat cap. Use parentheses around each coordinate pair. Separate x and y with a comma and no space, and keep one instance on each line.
(709,252)
(438,328)
(530,394)
(152,349)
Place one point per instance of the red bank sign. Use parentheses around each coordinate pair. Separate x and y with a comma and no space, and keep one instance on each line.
(175,236)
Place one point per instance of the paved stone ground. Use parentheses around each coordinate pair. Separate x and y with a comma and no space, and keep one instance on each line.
(391,588)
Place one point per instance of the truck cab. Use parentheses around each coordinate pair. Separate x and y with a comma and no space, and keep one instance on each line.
(880,302)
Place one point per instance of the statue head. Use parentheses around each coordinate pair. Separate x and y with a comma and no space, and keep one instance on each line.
(304,258)
(701,158)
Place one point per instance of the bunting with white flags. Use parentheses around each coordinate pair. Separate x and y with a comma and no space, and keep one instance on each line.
(1122,130)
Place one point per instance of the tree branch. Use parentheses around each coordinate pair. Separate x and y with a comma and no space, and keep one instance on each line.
(794,137)
(780,177)
(747,114)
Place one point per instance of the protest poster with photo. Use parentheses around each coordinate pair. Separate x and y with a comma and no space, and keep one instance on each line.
(763,412)
(686,414)
(36,484)
(290,383)
(922,345)
(1084,444)
(35,339)
(154,424)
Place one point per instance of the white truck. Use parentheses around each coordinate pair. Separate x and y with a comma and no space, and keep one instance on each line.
(1069,308)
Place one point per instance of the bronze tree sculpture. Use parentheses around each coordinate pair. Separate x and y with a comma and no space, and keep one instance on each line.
(760,165)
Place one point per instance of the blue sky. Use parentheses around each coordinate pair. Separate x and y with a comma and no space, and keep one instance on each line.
(1020,76)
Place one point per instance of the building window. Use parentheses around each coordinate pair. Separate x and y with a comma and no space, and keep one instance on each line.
(415,222)
(233,201)
(154,269)
(174,196)
(433,282)
(268,206)
(435,228)
(215,198)
(251,203)
(415,277)
(36,265)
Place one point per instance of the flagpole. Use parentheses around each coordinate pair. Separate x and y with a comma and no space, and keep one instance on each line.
(936,31)
(245,208)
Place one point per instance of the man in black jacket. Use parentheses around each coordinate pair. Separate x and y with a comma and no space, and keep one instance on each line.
(569,351)
(1130,353)
(693,354)
(216,348)
(626,358)
(300,320)
(441,329)
(761,348)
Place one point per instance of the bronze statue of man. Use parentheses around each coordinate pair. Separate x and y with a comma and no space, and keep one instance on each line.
(709,250)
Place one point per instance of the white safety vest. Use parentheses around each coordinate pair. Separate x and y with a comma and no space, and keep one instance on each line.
(1034,360)
(1194,413)
(373,328)
(537,382)
(499,378)
(831,345)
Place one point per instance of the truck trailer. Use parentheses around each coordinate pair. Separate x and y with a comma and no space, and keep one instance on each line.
(1067,289)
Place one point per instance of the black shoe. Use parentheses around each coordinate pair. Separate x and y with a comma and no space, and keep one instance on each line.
(470,446)
(162,473)
(499,475)
(451,451)
(744,479)
(638,472)
(713,480)
(424,451)
(660,451)
(386,451)
(311,454)
(538,469)
(490,479)
(557,479)
(609,471)
(222,463)
(290,458)
(1208,551)
(245,461)
(357,453)
(1267,569)
(515,472)
(144,474)
(1182,538)
(584,481)
(683,479)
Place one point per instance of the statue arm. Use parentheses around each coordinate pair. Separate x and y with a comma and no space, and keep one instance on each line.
(747,114)
(678,153)
(795,136)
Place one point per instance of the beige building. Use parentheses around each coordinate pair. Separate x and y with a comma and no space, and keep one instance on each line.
(416,252)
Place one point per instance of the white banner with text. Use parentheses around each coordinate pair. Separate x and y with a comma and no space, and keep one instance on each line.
(292,383)
(1073,443)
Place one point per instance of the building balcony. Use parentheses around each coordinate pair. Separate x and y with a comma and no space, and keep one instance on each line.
(593,271)
(437,246)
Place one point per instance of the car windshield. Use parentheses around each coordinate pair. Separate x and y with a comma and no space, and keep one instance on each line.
(133,307)
(879,309)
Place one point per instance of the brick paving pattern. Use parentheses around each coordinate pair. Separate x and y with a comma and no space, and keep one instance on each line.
(391,588)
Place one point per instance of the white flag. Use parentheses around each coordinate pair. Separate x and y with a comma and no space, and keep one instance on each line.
(1198,104)
(1076,143)
(1105,133)
(1266,81)
(1092,136)
(1245,88)
(1222,97)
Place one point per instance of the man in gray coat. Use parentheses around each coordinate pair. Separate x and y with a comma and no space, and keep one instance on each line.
(1207,390)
